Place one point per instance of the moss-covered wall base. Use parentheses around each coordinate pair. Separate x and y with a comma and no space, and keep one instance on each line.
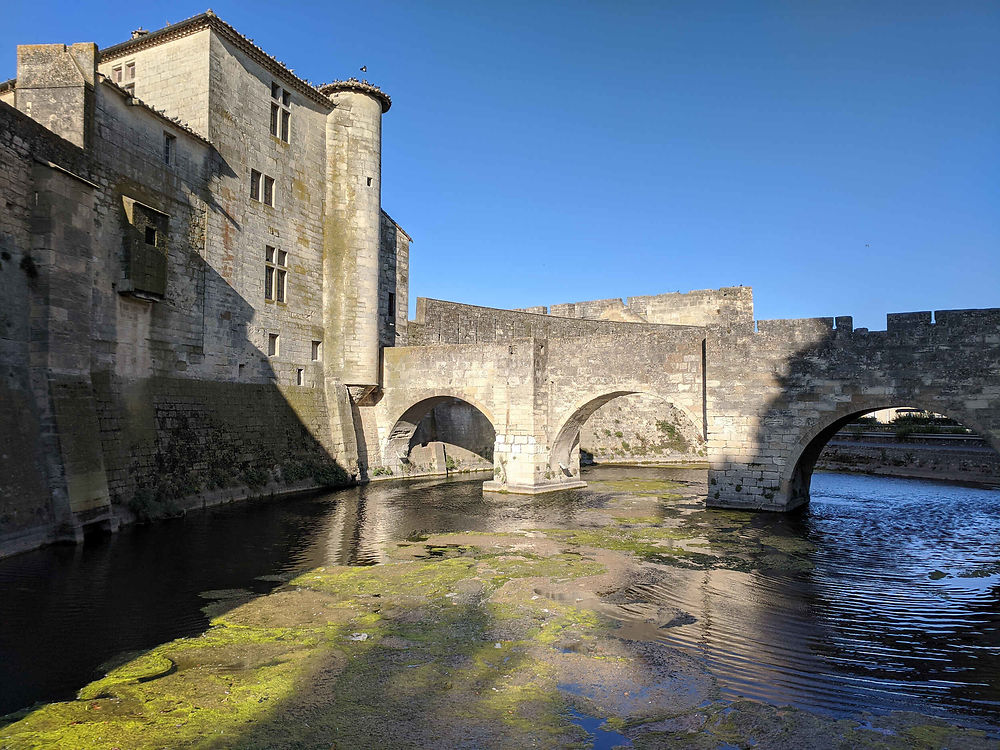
(171,443)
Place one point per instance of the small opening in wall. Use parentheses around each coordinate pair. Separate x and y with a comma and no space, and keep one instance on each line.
(151,236)
(369,182)
(299,373)
(272,345)
(317,350)
(169,142)
(392,305)
(239,372)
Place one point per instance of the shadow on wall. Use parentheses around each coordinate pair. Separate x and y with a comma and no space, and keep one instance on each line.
(172,442)
(458,423)
(439,435)
(831,380)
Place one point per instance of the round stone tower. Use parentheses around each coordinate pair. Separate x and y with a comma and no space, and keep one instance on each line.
(351,233)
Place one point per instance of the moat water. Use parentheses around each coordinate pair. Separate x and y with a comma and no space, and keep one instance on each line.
(890,598)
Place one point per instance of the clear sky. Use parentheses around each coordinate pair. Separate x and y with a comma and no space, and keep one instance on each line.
(839,157)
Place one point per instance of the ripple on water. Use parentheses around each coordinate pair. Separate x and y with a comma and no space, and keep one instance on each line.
(857,622)
(864,626)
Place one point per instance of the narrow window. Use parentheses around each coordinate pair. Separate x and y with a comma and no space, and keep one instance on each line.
(281,112)
(130,78)
(255,184)
(316,350)
(275,274)
(169,142)
(272,345)
(151,236)
(392,305)
(298,376)
(269,283)
(239,372)
(268,190)
(269,273)
(279,285)
(116,74)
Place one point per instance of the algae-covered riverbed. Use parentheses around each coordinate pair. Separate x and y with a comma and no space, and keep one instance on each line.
(624,613)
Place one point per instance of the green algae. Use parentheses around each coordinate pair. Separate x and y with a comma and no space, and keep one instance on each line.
(225,687)
(638,486)
(447,645)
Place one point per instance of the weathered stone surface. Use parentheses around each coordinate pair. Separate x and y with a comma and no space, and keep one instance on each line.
(172,333)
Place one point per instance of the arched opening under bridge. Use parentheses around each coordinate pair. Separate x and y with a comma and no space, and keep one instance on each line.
(626,427)
(902,441)
(439,435)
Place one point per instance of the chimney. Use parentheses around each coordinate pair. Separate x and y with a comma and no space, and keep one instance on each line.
(139,32)
(55,87)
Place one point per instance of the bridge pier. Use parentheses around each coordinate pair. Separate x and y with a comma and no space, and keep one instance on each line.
(521,465)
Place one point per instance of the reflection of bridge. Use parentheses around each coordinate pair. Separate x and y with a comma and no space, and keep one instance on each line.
(767,399)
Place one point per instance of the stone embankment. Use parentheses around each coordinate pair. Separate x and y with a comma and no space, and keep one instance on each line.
(952,458)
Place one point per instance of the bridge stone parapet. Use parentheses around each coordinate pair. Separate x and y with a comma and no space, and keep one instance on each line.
(440,322)
(775,396)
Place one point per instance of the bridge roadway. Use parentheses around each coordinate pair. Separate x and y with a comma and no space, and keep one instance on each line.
(768,396)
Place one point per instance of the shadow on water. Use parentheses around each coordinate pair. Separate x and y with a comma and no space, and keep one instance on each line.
(66,610)
(883,594)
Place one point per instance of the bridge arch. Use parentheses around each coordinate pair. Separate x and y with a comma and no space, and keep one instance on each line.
(398,442)
(796,477)
(564,455)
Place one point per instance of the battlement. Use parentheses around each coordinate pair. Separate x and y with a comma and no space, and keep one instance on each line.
(916,321)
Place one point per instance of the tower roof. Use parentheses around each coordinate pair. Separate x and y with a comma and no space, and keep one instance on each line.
(353,84)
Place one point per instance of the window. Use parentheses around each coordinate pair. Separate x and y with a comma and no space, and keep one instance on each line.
(281,112)
(392,305)
(261,187)
(317,350)
(169,144)
(116,74)
(272,345)
(275,274)
(268,190)
(129,81)
(299,372)
(151,236)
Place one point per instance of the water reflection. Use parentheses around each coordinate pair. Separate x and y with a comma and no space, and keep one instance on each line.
(882,594)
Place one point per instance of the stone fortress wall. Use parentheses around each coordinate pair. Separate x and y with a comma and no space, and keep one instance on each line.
(147,368)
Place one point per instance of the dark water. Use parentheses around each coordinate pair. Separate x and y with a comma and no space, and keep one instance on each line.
(893,603)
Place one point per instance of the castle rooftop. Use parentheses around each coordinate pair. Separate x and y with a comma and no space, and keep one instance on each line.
(209,20)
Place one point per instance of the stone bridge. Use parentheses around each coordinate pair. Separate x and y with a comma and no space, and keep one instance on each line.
(766,396)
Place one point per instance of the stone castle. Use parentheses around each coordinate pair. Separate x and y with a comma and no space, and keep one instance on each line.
(202,299)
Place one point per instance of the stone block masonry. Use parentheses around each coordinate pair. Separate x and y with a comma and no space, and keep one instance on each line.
(173,335)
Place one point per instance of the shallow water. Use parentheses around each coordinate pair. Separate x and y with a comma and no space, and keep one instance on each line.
(882,595)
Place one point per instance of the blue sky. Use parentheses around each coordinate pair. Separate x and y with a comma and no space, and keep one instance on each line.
(842,158)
